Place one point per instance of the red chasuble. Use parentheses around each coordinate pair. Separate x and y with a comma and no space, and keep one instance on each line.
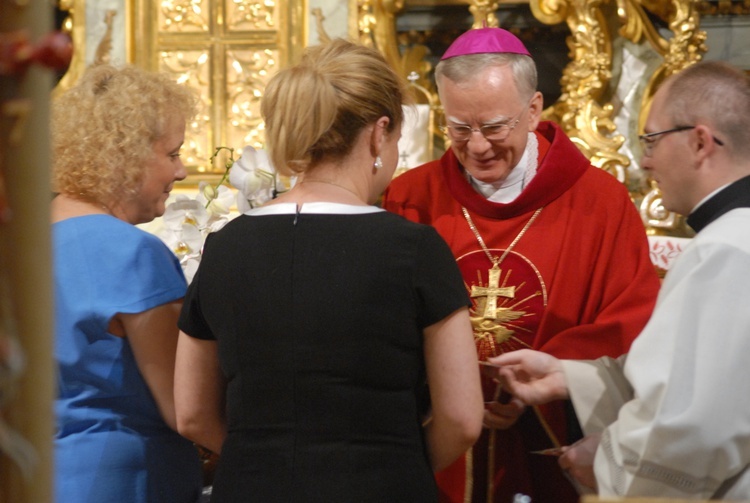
(578,284)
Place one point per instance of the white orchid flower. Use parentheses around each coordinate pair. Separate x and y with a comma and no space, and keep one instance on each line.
(218,201)
(190,266)
(254,178)
(216,224)
(187,222)
(185,211)
(186,241)
(207,191)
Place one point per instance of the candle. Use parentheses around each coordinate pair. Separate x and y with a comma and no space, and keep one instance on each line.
(25,257)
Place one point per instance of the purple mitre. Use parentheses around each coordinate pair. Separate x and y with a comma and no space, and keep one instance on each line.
(485,40)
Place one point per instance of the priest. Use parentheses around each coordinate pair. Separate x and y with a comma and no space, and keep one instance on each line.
(552,251)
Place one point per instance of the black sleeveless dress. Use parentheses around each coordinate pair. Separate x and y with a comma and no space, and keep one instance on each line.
(318,319)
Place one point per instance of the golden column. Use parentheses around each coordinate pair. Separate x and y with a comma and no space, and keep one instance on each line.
(26,308)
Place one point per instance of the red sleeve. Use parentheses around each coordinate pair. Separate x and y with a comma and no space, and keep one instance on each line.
(621,282)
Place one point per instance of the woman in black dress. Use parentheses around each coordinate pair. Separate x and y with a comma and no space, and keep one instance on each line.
(326,350)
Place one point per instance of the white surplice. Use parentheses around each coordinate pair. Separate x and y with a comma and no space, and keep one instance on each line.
(675,412)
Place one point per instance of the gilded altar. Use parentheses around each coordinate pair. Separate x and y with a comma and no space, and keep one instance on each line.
(610,56)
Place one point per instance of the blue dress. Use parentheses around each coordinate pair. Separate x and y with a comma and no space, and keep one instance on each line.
(111,444)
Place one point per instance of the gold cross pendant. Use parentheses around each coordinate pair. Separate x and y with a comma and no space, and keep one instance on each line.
(492,291)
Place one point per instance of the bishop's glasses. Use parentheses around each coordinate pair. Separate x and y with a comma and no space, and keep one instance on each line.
(491,132)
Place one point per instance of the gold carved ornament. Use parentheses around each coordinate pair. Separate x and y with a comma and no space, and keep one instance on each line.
(584,81)
(585,78)
(724,7)
(376,27)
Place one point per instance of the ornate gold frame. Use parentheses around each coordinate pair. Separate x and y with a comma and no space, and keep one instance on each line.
(583,110)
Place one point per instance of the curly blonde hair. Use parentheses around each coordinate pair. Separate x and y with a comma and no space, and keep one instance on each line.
(316,109)
(103,130)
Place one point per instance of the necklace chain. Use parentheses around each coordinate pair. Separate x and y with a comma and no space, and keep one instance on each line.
(331,183)
(495,260)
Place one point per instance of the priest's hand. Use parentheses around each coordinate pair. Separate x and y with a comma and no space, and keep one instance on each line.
(533,377)
(501,416)
(578,461)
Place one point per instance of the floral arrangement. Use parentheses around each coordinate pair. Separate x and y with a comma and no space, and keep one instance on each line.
(188,221)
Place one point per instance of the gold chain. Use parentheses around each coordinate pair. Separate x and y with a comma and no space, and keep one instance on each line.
(326,182)
(494,260)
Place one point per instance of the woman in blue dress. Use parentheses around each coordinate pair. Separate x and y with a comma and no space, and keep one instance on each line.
(118,290)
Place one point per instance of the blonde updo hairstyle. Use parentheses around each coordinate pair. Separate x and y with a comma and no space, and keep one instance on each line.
(316,109)
(104,127)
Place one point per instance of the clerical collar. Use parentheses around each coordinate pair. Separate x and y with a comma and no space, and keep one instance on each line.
(735,195)
(508,190)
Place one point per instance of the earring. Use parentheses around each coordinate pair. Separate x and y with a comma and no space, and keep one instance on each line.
(378,163)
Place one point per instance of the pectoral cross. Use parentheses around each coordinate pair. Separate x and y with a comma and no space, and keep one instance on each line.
(492,291)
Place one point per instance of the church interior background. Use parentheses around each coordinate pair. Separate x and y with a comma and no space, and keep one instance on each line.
(600,61)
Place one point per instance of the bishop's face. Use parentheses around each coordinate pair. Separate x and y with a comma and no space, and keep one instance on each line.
(490,98)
